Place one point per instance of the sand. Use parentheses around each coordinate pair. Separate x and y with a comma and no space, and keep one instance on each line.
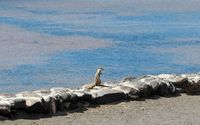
(181,110)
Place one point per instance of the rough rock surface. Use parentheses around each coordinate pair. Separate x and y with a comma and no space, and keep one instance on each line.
(34,102)
(131,93)
(104,96)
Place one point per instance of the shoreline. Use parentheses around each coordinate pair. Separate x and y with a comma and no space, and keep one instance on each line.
(48,103)
(180,110)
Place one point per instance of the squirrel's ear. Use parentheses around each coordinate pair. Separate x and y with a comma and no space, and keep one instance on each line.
(102,68)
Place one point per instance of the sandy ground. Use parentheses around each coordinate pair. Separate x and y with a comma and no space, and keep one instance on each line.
(181,110)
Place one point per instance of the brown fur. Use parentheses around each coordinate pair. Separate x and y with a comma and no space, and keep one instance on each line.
(97,80)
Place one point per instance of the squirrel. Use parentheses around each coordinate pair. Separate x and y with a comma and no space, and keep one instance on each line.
(97,80)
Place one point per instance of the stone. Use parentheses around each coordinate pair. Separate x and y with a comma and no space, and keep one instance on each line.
(34,102)
(178,81)
(129,84)
(166,89)
(192,78)
(129,79)
(163,90)
(16,102)
(130,92)
(3,118)
(163,84)
(49,104)
(166,76)
(104,96)
(22,114)
(63,93)
(153,81)
(5,108)
(82,95)
(140,85)
(145,90)
(9,104)
(193,89)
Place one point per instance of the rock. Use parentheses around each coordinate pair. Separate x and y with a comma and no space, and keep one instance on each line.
(64,97)
(63,93)
(71,106)
(138,84)
(163,90)
(193,89)
(3,118)
(152,81)
(104,96)
(21,114)
(163,84)
(130,84)
(178,81)
(166,76)
(34,102)
(17,103)
(129,79)
(82,95)
(49,104)
(5,108)
(192,78)
(155,86)
(9,104)
(145,90)
(56,99)
(166,89)
(110,84)
(43,92)
(130,92)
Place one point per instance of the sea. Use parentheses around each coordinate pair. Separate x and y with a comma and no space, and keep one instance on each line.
(61,43)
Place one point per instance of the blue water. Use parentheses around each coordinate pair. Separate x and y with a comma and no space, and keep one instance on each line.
(148,42)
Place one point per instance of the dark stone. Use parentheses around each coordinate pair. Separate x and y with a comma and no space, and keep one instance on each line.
(74,98)
(155,86)
(181,83)
(193,89)
(18,103)
(36,107)
(50,106)
(34,102)
(63,96)
(22,114)
(166,89)
(5,108)
(104,96)
(60,105)
(83,96)
(145,90)
(131,93)
(3,117)
(163,90)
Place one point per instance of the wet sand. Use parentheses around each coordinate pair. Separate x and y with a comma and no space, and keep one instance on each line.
(181,110)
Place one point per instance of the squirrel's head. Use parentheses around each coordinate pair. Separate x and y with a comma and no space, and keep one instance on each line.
(99,71)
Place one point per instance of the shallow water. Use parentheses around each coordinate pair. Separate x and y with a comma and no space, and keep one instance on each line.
(61,43)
